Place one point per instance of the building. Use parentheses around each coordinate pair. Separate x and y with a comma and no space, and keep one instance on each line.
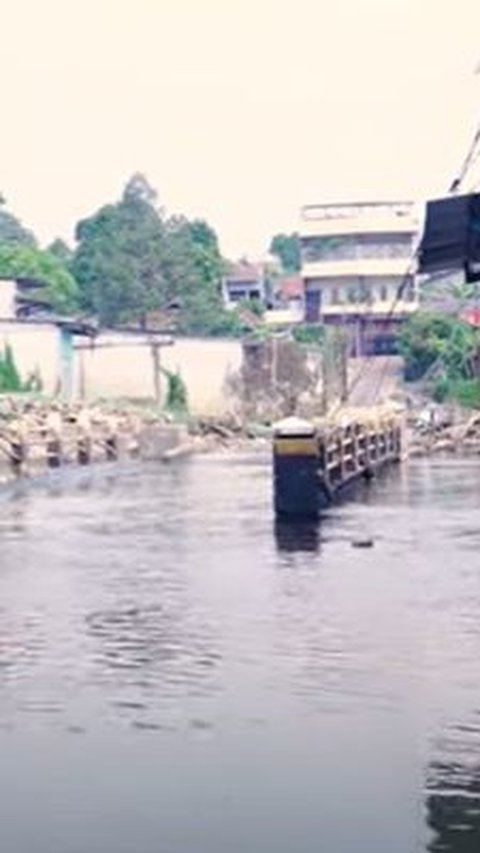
(244,282)
(289,292)
(286,307)
(356,269)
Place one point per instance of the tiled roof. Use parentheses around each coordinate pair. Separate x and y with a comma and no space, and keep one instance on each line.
(291,287)
(244,271)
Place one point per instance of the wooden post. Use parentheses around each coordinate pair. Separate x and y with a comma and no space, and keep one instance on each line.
(111,448)
(155,350)
(343,367)
(84,450)
(54,452)
(17,455)
(81,377)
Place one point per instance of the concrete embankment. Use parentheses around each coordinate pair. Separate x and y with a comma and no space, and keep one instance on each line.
(38,435)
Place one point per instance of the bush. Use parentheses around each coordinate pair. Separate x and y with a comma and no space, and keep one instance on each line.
(177,398)
(10,379)
(440,389)
(256,306)
(466,392)
(311,333)
(428,338)
(209,320)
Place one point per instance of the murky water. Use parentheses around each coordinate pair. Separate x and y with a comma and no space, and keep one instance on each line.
(178,675)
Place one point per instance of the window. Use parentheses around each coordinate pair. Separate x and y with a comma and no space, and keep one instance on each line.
(236,295)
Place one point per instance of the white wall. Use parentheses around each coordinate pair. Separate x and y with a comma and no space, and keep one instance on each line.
(8,290)
(125,370)
(205,366)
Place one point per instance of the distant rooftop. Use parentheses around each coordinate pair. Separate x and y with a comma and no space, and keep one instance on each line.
(245,271)
(290,287)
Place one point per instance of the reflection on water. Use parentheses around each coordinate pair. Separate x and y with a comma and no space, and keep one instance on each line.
(453,805)
(295,535)
(453,790)
(180,672)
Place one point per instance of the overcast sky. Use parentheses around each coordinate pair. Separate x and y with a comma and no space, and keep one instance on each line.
(239,111)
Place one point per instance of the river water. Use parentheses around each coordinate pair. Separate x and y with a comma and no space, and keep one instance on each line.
(179,675)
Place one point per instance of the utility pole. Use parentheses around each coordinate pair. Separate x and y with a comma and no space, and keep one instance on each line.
(343,346)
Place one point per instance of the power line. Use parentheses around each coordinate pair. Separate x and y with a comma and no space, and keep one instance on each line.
(470,158)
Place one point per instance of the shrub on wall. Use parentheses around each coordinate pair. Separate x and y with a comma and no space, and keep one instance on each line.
(10,379)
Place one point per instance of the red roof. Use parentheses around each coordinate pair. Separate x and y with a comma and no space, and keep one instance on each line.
(471,316)
(291,287)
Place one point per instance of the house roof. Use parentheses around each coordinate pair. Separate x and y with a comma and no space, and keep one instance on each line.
(471,316)
(245,271)
(290,287)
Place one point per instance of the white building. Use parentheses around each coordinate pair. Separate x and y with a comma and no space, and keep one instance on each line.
(356,268)
(244,282)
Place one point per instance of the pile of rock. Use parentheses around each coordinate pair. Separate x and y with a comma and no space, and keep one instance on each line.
(227,433)
(447,434)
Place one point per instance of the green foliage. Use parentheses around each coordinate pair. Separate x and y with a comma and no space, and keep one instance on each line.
(286,247)
(131,260)
(26,262)
(9,375)
(20,258)
(116,263)
(466,392)
(177,398)
(203,320)
(256,306)
(440,389)
(309,333)
(428,339)
(261,333)
(62,251)
(12,231)
(10,380)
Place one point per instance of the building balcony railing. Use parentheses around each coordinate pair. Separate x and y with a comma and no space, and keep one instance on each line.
(343,227)
(353,210)
(390,267)
(398,308)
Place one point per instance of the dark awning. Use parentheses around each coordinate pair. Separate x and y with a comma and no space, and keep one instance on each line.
(451,237)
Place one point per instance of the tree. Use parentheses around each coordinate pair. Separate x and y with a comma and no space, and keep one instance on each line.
(11,229)
(286,247)
(131,260)
(429,339)
(62,251)
(60,288)
(193,269)
(117,260)
(138,188)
